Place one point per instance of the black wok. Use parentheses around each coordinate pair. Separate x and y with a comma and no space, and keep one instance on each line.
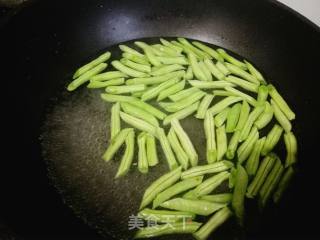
(52,140)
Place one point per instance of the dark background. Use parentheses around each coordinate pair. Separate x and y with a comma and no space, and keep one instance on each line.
(42,41)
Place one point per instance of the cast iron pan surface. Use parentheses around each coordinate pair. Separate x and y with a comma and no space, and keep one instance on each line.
(54,139)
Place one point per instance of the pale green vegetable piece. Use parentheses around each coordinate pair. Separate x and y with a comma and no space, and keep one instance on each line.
(132,51)
(205,70)
(244,96)
(291,147)
(125,89)
(221,142)
(103,84)
(102,58)
(263,93)
(204,105)
(128,71)
(219,198)
(178,150)
(143,164)
(231,59)
(152,58)
(254,158)
(183,94)
(115,125)
(241,73)
(214,69)
(283,184)
(181,114)
(189,74)
(137,66)
(221,117)
(117,98)
(210,84)
(165,216)
(171,90)
(173,60)
(108,76)
(170,45)
(152,93)
(148,108)
(209,130)
(233,117)
(244,114)
(213,53)
(136,59)
(281,117)
(218,107)
(265,118)
(249,86)
(165,69)
(222,68)
(152,155)
(156,79)
(246,147)
(138,123)
(273,138)
(196,68)
(255,72)
(233,144)
(187,44)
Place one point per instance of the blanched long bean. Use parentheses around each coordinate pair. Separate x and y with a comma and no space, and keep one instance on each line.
(214,70)
(231,59)
(125,89)
(213,53)
(244,96)
(253,160)
(241,73)
(219,198)
(244,114)
(166,147)
(108,76)
(205,70)
(218,107)
(221,142)
(115,125)
(165,216)
(143,164)
(265,118)
(117,98)
(171,90)
(210,134)
(138,123)
(178,150)
(135,58)
(263,93)
(103,84)
(183,94)
(156,79)
(291,147)
(233,144)
(181,114)
(148,108)
(249,86)
(221,117)
(233,117)
(136,66)
(167,69)
(281,117)
(196,68)
(149,94)
(152,155)
(273,138)
(246,147)
(204,105)
(255,72)
(210,84)
(128,71)
(132,51)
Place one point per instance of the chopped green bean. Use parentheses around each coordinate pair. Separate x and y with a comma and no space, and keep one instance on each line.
(218,107)
(222,68)
(241,73)
(233,117)
(263,171)
(183,94)
(232,177)
(199,207)
(273,138)
(147,47)
(171,90)
(167,51)
(205,71)
(233,144)
(231,59)
(210,84)
(115,125)
(170,45)
(283,184)
(253,160)
(239,192)
(189,74)
(108,76)
(152,155)
(159,185)
(270,183)
(139,113)
(204,105)
(263,93)
(173,60)
(136,59)
(99,84)
(207,169)
(165,69)
(117,98)
(213,53)
(181,114)
(249,86)
(132,51)
(209,130)
(185,142)
(244,96)
(128,71)
(183,103)
(102,58)
(127,157)
(138,123)
(246,147)
(255,72)
(136,66)
(178,150)
(148,108)
(281,117)
(155,91)
(165,229)
(214,222)
(258,110)
(165,216)
(221,142)
(222,93)
(138,94)
(174,190)
(208,185)
(214,70)
(291,147)
(143,165)
(125,89)
(281,102)
(196,68)
(244,114)
(197,51)
(265,117)
(156,79)
(171,160)
(83,78)
(221,117)
(152,58)
(116,143)
(218,198)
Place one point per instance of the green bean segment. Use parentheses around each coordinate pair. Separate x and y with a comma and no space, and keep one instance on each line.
(210,84)
(115,125)
(135,58)
(197,51)
(183,94)
(223,68)
(273,138)
(263,93)
(174,190)
(218,198)
(265,118)
(221,117)
(108,76)
(102,58)
(165,216)
(252,87)
(86,76)
(132,51)
(221,142)
(263,171)
(205,71)
(155,91)
(281,117)
(138,123)
(244,114)
(143,165)
(213,53)
(199,207)
(196,68)
(127,157)
(291,147)
(241,73)
(246,147)
(181,114)
(116,143)
(171,160)
(214,70)
(170,45)
(178,150)
(167,69)
(159,185)
(209,131)
(151,147)
(125,89)
(165,229)
(253,160)
(139,113)
(173,60)
(233,117)
(218,107)
(171,90)
(117,98)
(214,222)
(185,142)
(148,108)
(255,72)
(204,105)
(231,59)
(126,70)
(233,144)
(244,96)
(156,79)
(136,66)
(111,82)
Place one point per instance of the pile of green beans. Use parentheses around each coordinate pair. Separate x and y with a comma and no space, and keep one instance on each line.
(153,87)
